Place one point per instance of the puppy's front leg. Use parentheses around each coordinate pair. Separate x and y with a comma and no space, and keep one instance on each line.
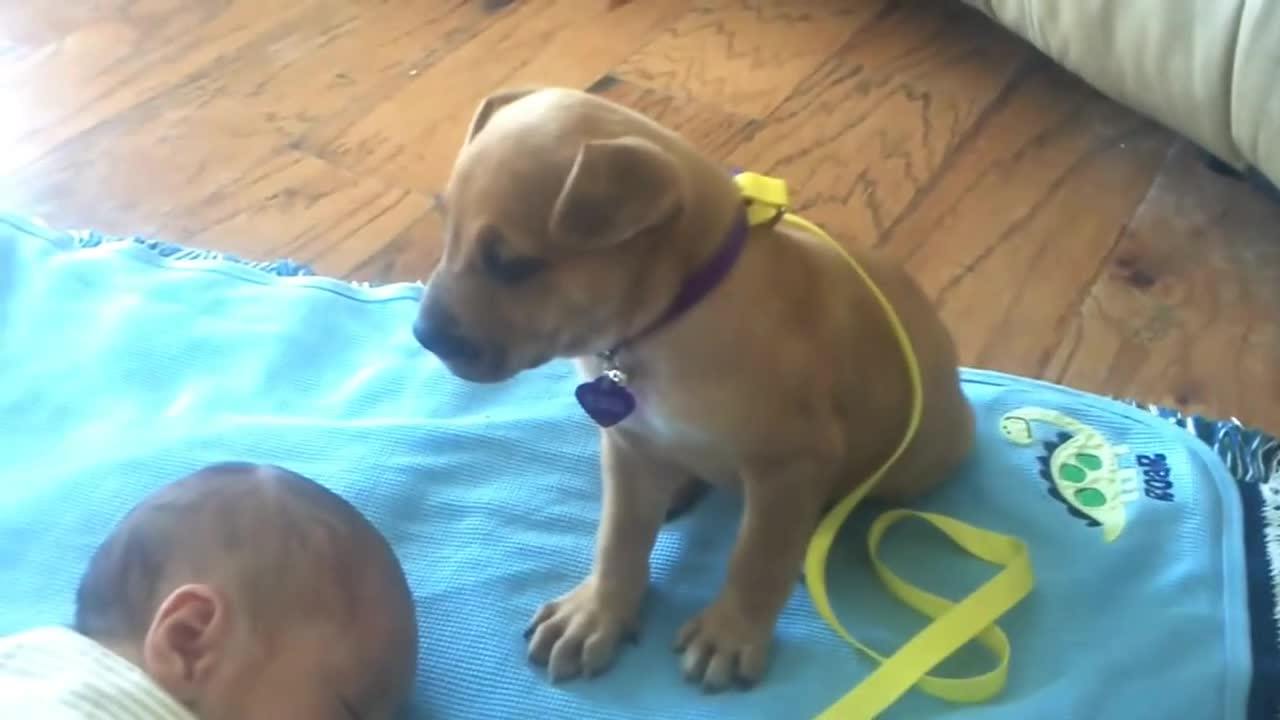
(730,640)
(579,632)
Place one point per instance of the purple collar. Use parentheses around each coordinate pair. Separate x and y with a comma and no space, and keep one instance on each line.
(697,286)
(607,399)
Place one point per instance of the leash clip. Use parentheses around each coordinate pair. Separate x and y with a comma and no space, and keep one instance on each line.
(766,198)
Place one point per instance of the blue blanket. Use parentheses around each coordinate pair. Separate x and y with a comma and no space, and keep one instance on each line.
(127,363)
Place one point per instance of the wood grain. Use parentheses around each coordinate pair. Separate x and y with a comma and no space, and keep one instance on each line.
(871,127)
(1062,236)
(154,174)
(1007,239)
(410,138)
(1184,312)
(109,61)
(710,129)
(333,61)
(746,55)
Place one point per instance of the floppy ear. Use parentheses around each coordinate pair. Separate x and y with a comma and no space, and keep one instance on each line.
(492,104)
(616,190)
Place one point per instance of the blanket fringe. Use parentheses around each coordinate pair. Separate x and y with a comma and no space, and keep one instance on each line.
(282,267)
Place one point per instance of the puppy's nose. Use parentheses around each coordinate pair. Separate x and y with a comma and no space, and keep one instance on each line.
(441,338)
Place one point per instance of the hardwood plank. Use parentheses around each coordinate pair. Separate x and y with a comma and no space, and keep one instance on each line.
(709,128)
(746,55)
(127,53)
(300,207)
(410,139)
(333,61)
(1021,222)
(247,195)
(411,254)
(1185,311)
(55,21)
(871,128)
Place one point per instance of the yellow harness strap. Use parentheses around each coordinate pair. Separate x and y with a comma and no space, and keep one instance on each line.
(954,624)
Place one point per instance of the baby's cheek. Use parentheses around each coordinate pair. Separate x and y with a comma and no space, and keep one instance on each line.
(256,691)
(293,701)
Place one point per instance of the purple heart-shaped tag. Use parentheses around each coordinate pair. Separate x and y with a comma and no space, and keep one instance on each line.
(607,402)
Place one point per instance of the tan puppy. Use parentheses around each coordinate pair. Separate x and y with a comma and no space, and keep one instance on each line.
(572,224)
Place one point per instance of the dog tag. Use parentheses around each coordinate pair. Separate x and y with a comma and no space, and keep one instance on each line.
(606,401)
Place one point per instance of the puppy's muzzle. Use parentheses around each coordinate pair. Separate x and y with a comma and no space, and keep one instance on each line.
(438,332)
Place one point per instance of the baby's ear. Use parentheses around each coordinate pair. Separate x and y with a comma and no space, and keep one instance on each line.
(187,640)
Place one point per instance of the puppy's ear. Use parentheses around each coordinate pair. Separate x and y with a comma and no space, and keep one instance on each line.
(616,190)
(492,104)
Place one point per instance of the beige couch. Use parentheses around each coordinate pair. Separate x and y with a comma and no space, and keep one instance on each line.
(1208,69)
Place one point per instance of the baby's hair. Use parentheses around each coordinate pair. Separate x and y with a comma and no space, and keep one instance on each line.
(286,546)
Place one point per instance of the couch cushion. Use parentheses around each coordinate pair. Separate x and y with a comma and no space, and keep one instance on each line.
(1255,102)
(1198,67)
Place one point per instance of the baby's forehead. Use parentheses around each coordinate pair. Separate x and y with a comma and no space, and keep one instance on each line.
(266,527)
(262,498)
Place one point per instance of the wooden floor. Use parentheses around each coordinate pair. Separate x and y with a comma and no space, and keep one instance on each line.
(1063,236)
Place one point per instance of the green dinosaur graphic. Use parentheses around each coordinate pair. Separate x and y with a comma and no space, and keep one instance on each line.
(1084,469)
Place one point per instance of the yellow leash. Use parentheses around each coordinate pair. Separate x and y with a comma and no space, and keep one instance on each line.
(954,624)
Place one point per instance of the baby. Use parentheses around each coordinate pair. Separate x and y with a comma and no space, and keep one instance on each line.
(241,592)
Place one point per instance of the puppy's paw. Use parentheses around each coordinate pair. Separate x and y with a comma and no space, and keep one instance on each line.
(578,633)
(723,647)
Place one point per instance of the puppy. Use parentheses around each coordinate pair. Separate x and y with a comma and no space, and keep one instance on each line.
(574,227)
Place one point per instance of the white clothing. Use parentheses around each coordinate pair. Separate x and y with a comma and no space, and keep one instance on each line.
(54,673)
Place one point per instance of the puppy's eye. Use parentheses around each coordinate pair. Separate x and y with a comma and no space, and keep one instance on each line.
(506,270)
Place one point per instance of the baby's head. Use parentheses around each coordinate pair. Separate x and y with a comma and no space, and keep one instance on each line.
(250,592)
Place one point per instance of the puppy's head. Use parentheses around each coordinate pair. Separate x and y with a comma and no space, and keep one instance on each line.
(554,207)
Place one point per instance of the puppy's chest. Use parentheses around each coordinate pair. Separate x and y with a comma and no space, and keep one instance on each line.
(666,425)
(694,414)
(686,429)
